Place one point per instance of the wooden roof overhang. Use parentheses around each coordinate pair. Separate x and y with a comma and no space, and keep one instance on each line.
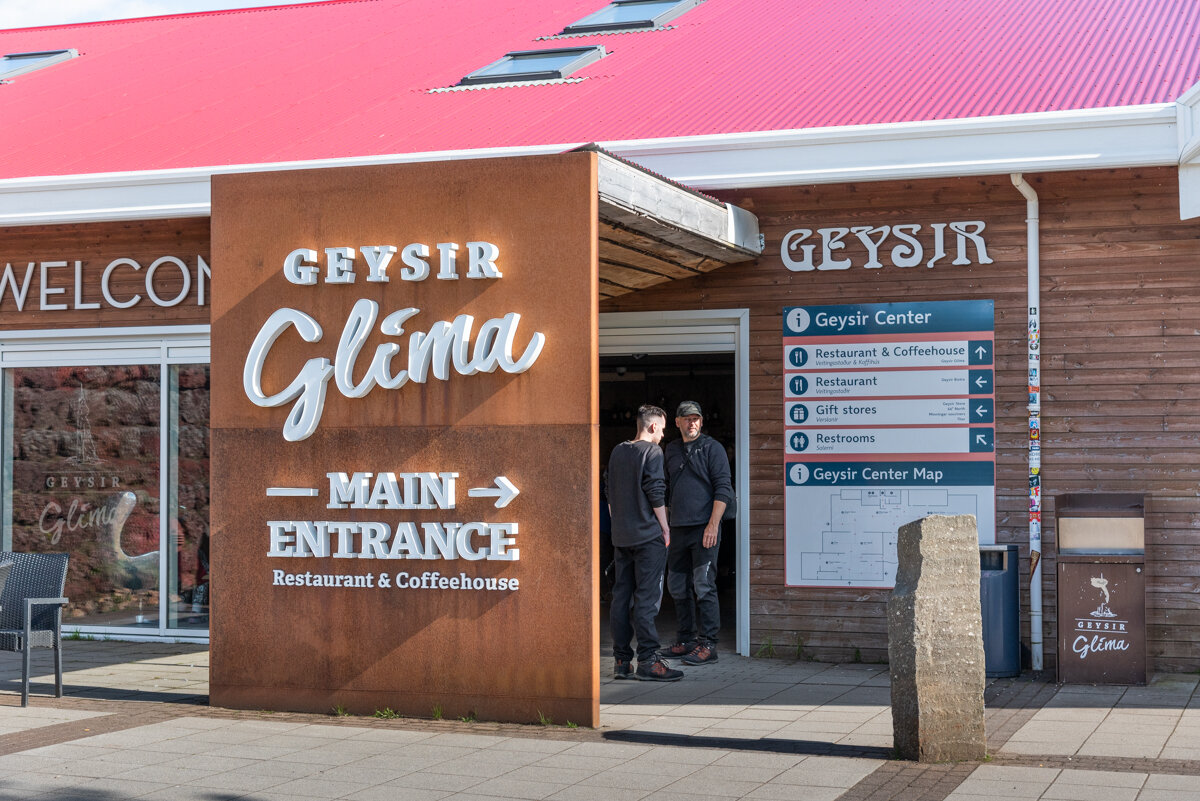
(653,230)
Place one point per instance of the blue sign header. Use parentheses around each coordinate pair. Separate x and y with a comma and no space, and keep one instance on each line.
(888,318)
(891,474)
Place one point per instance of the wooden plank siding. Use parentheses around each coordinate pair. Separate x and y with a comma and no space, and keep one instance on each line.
(1120,361)
(96,245)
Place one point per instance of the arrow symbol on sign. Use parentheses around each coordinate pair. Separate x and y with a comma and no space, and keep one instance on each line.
(981,410)
(504,492)
(980,382)
(982,351)
(981,439)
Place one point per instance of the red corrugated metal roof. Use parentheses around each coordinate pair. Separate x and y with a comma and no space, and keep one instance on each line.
(352,77)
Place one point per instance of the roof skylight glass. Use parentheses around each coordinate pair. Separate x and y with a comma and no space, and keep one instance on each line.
(15,64)
(624,15)
(535,65)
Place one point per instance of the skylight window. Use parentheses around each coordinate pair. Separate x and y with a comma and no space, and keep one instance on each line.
(627,15)
(535,65)
(15,64)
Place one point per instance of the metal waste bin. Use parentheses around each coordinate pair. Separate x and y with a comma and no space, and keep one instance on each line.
(1101,588)
(1000,601)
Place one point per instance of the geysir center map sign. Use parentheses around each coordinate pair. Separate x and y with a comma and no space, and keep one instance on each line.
(889,413)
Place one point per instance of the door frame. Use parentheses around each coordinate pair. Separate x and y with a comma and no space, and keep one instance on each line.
(702,331)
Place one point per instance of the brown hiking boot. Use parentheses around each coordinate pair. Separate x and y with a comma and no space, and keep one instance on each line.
(680,649)
(658,670)
(704,653)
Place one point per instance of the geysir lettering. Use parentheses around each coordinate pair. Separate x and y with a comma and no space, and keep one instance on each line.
(442,346)
(167,281)
(909,251)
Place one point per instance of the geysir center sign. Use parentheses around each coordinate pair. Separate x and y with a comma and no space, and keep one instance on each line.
(889,414)
(404,439)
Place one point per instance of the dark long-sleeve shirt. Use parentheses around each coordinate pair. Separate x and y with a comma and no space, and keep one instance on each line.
(695,487)
(636,486)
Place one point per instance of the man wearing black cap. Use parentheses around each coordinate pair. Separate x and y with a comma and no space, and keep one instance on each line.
(699,478)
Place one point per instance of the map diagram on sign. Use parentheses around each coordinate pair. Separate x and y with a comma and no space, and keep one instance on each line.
(847,536)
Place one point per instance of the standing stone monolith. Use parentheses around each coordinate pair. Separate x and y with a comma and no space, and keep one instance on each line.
(935,642)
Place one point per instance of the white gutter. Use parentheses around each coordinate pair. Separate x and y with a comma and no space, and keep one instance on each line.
(1033,279)
(1132,136)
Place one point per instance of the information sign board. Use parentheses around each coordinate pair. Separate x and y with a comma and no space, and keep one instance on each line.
(889,415)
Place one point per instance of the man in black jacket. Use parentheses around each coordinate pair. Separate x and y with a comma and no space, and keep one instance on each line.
(637,493)
(701,488)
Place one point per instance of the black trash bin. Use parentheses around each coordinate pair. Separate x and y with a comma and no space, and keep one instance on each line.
(1000,601)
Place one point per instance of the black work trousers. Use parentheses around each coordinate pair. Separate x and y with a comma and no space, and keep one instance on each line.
(637,596)
(691,566)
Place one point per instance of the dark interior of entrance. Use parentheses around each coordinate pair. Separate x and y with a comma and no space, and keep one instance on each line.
(627,382)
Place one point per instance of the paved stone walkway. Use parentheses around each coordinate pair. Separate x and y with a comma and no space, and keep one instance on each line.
(136,724)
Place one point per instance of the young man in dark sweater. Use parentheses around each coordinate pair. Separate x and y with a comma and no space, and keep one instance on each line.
(637,493)
(701,488)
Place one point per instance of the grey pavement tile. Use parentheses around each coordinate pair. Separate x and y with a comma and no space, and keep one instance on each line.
(531,745)
(1084,792)
(209,764)
(469,766)
(467,740)
(360,775)
(609,750)
(779,762)
(1016,773)
(252,751)
(393,793)
(238,781)
(595,764)
(648,764)
(536,773)
(98,788)
(168,774)
(584,793)
(392,736)
(1135,749)
(996,788)
(739,773)
(436,781)
(505,787)
(826,771)
(1166,781)
(618,780)
(318,788)
(1154,794)
(694,785)
(1037,748)
(788,792)
(277,771)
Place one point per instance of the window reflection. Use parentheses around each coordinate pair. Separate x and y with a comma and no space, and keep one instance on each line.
(85,480)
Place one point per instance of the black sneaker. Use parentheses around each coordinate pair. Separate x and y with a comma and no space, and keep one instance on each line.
(658,670)
(622,669)
(704,653)
(679,649)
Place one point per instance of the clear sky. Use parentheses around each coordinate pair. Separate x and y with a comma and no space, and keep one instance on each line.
(31,13)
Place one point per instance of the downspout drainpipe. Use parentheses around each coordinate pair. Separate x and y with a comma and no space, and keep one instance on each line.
(1033,273)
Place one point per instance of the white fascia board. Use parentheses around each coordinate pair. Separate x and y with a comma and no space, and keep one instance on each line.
(1132,136)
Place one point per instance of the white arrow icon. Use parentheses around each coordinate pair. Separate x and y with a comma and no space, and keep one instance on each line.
(979,410)
(504,492)
(982,351)
(981,439)
(980,382)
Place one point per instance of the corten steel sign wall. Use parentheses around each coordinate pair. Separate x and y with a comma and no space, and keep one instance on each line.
(377,556)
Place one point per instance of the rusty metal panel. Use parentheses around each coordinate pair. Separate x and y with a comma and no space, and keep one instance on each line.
(494,652)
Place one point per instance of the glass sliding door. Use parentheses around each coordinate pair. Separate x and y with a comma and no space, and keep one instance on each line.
(187,485)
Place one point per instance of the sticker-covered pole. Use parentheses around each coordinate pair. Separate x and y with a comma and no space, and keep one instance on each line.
(1034,358)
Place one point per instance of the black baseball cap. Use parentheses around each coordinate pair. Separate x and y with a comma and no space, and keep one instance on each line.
(687,408)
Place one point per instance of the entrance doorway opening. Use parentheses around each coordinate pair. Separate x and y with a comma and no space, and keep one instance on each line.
(665,380)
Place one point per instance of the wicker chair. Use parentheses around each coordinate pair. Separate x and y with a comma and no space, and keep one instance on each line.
(31,605)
